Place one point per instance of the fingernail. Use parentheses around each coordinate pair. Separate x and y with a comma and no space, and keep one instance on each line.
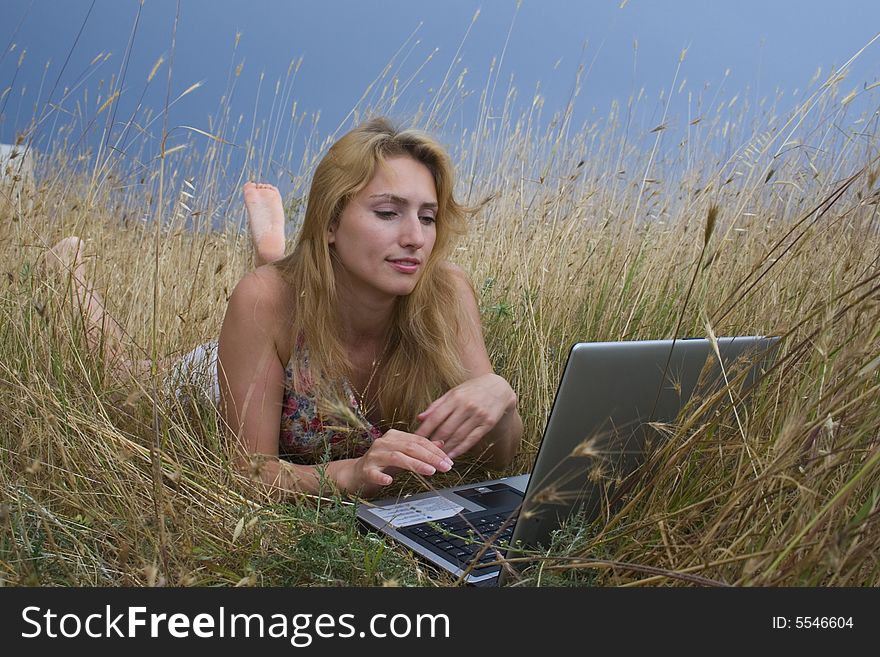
(429,470)
(448,463)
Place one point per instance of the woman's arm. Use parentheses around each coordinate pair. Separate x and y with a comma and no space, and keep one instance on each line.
(251,377)
(480,415)
(251,380)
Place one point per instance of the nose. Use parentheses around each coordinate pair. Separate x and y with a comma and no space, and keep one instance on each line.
(412,232)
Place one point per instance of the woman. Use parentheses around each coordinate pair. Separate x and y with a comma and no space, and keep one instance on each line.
(364,344)
(367,312)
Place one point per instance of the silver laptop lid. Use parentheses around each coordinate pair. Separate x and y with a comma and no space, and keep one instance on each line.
(599,428)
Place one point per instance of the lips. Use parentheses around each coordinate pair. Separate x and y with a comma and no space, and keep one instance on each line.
(405,265)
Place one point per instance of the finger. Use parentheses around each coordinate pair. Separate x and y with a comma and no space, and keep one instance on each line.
(414,445)
(462,432)
(411,463)
(432,421)
(432,406)
(376,476)
(437,417)
(473,437)
(403,441)
(427,423)
(450,431)
(430,455)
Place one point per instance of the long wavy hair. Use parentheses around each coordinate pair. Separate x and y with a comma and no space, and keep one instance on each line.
(421,359)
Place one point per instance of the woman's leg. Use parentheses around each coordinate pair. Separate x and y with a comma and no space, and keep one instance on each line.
(104,335)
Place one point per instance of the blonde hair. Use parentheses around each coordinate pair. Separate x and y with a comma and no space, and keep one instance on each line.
(421,361)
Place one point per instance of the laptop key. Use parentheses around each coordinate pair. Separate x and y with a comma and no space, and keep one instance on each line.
(459,540)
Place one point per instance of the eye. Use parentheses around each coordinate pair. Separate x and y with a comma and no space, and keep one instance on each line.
(428,219)
(385,214)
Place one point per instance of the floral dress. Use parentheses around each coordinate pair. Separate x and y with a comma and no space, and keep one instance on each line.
(304,437)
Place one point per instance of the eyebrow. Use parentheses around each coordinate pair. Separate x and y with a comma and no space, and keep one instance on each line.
(401,201)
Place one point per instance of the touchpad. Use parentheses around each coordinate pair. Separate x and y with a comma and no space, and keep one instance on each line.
(494,496)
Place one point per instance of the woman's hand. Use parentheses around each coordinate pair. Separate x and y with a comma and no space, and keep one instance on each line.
(393,452)
(466,413)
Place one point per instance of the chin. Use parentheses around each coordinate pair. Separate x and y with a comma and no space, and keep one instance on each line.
(403,290)
(399,285)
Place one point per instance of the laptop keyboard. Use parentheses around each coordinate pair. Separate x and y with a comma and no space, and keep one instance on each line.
(461,538)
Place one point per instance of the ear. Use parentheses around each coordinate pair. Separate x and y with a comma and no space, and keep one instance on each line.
(331,233)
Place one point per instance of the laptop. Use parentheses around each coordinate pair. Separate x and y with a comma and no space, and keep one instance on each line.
(600,429)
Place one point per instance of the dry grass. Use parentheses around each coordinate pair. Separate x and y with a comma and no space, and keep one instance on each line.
(593,233)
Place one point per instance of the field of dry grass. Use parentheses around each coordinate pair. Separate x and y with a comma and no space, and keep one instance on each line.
(598,231)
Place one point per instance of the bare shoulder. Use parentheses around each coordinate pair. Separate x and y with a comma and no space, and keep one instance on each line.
(458,276)
(263,287)
(463,286)
(472,347)
(261,299)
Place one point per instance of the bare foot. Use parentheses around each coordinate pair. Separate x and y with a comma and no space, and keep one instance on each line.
(265,221)
(66,257)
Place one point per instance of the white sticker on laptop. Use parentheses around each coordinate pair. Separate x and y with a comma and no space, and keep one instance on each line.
(412,512)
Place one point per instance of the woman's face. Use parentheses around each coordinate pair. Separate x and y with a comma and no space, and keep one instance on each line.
(387,231)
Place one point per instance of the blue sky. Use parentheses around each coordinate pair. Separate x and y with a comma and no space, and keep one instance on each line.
(749,48)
